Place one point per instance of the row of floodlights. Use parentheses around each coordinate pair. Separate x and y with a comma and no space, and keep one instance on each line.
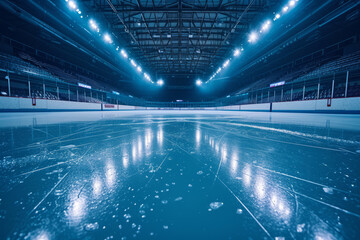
(107,38)
(253,37)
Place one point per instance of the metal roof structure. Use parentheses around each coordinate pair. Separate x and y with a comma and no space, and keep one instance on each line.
(182,38)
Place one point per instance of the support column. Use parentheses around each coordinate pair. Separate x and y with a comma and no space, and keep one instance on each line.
(57,91)
(291,93)
(274,96)
(77,95)
(84,95)
(44,90)
(69,94)
(303,93)
(318,93)
(332,88)
(29,86)
(347,83)
(256,98)
(9,88)
(268,95)
(261,96)
(282,94)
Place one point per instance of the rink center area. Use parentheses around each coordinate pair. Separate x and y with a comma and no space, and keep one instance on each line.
(179,175)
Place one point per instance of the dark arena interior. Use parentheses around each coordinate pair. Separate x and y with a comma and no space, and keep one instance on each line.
(188,119)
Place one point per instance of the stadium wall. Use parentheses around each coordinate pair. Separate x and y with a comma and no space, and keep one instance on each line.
(337,105)
(15,104)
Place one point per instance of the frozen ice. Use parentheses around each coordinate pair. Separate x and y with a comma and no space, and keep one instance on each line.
(300,227)
(92,226)
(328,190)
(239,211)
(216,205)
(67,146)
(178,199)
(278,174)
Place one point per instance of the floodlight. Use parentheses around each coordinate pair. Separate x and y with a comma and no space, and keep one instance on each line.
(236,52)
(72,4)
(133,63)
(160,82)
(123,53)
(226,63)
(107,38)
(253,37)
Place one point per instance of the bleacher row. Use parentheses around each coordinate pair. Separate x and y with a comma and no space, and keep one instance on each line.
(307,72)
(29,65)
(63,73)
(22,67)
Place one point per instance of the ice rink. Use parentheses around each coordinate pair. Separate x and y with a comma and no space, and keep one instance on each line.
(179,175)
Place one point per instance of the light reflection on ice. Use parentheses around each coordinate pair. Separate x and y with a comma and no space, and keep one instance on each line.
(322,234)
(260,187)
(148,141)
(97,186)
(110,173)
(224,152)
(234,163)
(217,147)
(125,161)
(134,154)
(280,206)
(197,137)
(42,235)
(77,208)
(247,175)
(139,146)
(160,135)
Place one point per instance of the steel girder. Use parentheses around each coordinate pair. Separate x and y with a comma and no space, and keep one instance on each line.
(179,37)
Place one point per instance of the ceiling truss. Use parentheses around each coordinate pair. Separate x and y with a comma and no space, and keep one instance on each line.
(180,37)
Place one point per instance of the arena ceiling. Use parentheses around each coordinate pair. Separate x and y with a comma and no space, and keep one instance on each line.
(184,39)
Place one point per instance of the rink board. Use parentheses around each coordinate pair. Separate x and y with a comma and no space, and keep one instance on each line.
(337,105)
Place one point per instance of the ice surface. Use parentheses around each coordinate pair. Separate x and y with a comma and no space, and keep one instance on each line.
(92,226)
(328,190)
(178,199)
(120,175)
(216,205)
(300,227)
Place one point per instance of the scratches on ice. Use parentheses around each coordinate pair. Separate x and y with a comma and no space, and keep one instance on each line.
(221,158)
(54,165)
(51,190)
(294,133)
(324,203)
(280,141)
(305,180)
(251,214)
(232,193)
